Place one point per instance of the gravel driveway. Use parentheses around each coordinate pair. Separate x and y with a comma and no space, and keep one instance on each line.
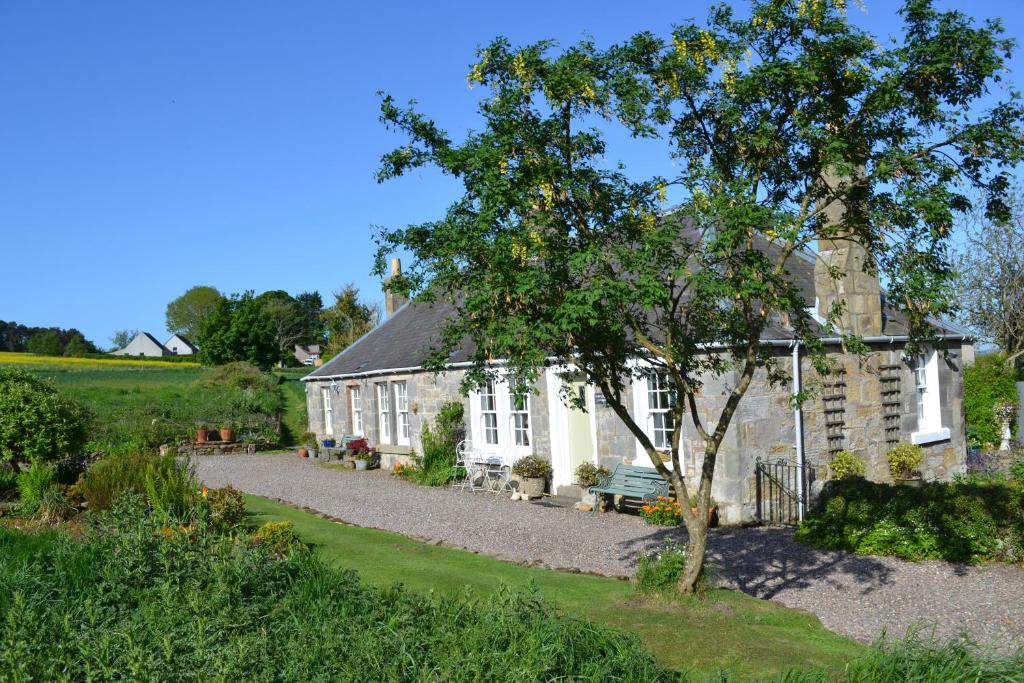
(862,597)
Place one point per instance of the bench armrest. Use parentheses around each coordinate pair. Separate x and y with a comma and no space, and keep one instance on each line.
(660,489)
(601,483)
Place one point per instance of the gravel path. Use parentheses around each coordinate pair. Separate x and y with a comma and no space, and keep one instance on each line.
(862,597)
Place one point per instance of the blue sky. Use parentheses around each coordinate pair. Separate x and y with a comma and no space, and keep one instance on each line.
(149,147)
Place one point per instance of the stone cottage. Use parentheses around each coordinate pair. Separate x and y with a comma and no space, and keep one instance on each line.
(378,389)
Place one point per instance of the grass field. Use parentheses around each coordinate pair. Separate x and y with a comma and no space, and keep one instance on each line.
(726,630)
(139,404)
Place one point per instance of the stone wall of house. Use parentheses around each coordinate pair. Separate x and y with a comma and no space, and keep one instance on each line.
(848,413)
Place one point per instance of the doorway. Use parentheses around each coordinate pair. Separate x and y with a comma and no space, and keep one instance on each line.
(581,442)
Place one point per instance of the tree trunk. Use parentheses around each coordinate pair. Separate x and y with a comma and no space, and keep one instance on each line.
(693,570)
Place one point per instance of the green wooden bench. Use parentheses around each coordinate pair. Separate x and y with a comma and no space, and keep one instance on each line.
(629,481)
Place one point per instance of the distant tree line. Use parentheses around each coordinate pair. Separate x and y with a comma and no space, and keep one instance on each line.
(47,341)
(263,329)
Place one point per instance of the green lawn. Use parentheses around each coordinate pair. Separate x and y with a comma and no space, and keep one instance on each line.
(727,630)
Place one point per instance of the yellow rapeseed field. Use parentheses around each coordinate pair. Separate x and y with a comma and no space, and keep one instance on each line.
(12,358)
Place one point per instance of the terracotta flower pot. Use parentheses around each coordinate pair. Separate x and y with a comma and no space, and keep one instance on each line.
(227,435)
(202,435)
(303,452)
(712,515)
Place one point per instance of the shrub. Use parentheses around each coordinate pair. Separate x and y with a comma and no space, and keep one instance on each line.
(661,569)
(904,460)
(277,537)
(989,381)
(37,421)
(436,467)
(846,464)
(962,521)
(111,476)
(170,487)
(664,511)
(33,485)
(1017,471)
(227,507)
(532,467)
(8,481)
(588,474)
(139,600)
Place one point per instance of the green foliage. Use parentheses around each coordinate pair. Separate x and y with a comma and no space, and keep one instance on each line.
(34,484)
(278,538)
(186,314)
(588,474)
(198,605)
(904,460)
(37,421)
(121,338)
(46,343)
(987,383)
(1017,471)
(109,477)
(311,308)
(8,481)
(347,319)
(963,521)
(227,507)
(662,511)
(846,464)
(238,329)
(532,467)
(660,570)
(436,467)
(170,487)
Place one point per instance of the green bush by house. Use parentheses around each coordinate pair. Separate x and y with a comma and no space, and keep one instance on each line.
(987,382)
(963,521)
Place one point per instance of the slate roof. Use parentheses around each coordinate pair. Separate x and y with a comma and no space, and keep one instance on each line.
(405,339)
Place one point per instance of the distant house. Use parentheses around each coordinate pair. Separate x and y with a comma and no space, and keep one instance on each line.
(307,354)
(179,346)
(143,344)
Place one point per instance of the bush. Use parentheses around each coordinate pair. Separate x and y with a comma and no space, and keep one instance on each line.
(436,467)
(588,474)
(170,487)
(37,421)
(1017,472)
(989,381)
(33,485)
(964,521)
(278,538)
(904,460)
(8,481)
(664,511)
(532,467)
(197,605)
(227,507)
(111,476)
(846,464)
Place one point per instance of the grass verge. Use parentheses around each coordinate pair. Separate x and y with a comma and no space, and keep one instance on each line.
(725,631)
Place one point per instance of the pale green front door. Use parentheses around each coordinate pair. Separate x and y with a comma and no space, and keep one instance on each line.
(581,445)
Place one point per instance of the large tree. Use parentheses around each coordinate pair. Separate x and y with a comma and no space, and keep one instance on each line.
(186,313)
(238,329)
(311,307)
(990,279)
(772,120)
(347,319)
(288,321)
(121,339)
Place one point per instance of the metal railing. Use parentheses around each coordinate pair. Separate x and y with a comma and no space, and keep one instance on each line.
(778,490)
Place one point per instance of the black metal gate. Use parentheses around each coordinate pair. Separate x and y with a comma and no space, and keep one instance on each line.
(777,490)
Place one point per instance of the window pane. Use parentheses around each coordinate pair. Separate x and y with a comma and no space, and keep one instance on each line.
(490,428)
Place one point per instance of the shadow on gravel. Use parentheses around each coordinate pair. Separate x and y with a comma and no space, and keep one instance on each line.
(764,562)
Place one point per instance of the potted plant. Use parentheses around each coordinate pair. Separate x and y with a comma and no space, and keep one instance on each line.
(328,443)
(533,473)
(307,439)
(846,464)
(588,474)
(227,434)
(364,458)
(202,434)
(904,461)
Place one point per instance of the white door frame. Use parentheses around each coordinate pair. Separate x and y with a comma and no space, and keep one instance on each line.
(558,418)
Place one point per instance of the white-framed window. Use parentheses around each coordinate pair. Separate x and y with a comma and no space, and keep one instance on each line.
(929,402)
(519,416)
(325,397)
(355,395)
(402,412)
(660,401)
(383,413)
(488,413)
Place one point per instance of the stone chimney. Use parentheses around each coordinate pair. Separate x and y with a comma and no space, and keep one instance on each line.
(393,300)
(861,291)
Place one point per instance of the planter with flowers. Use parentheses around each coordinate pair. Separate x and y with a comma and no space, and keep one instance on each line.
(904,461)
(532,472)
(587,475)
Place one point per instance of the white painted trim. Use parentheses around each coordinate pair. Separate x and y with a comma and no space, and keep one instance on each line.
(506,447)
(558,424)
(930,437)
(327,405)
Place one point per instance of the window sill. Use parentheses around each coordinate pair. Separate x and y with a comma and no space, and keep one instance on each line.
(920,438)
